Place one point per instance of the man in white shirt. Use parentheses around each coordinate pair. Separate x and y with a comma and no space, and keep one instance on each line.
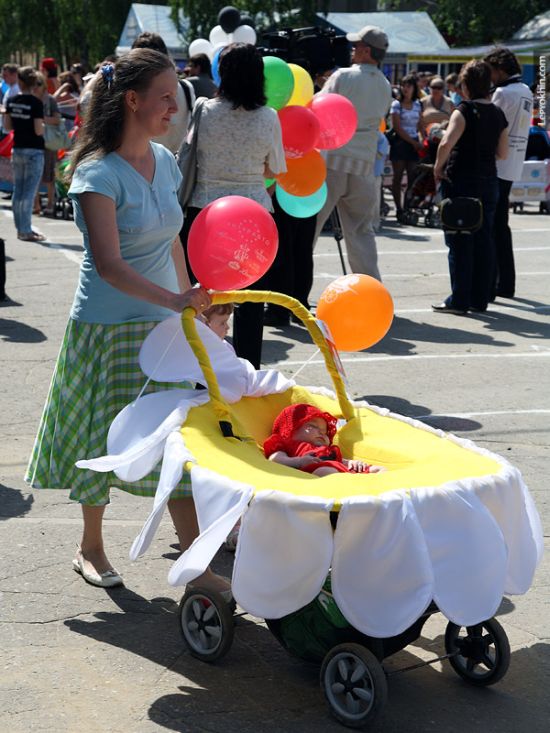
(516,101)
(350,169)
(9,75)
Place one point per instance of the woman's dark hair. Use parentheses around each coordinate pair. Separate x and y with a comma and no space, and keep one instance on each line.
(413,81)
(151,40)
(476,77)
(241,72)
(104,121)
(27,76)
(503,59)
(203,62)
(66,77)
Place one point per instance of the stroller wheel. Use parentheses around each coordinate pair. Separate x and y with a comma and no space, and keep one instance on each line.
(206,623)
(481,653)
(354,684)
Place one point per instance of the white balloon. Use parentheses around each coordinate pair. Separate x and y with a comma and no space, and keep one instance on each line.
(244,34)
(218,35)
(200,45)
(216,48)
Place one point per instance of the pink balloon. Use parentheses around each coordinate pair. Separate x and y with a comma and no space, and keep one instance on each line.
(232,243)
(301,130)
(337,117)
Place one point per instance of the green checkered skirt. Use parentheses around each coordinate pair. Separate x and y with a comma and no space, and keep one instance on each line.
(97,374)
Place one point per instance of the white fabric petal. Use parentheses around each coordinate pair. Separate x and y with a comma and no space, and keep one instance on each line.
(283,554)
(175,456)
(260,382)
(219,505)
(135,441)
(382,577)
(467,552)
(507,499)
(166,356)
(534,520)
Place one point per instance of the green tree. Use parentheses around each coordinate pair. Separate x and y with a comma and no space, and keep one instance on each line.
(69,30)
(202,14)
(475,22)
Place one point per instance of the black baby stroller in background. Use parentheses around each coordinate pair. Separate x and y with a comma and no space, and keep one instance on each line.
(421,200)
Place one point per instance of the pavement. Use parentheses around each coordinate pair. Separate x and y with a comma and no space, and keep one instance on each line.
(75,658)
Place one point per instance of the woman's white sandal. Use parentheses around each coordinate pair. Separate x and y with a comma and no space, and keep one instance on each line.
(108,579)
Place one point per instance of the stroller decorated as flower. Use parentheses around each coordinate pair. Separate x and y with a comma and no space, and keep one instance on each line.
(345,569)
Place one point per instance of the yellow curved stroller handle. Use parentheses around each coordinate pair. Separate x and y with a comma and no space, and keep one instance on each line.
(220,406)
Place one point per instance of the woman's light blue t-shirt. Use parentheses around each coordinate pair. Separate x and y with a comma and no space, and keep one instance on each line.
(148,219)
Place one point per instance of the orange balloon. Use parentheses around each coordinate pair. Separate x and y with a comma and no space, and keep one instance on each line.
(358,310)
(383,126)
(304,175)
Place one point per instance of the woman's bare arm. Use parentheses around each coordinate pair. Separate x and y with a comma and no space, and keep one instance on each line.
(181,266)
(451,136)
(502,145)
(100,217)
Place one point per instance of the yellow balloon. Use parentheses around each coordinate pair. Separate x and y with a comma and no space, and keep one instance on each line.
(303,86)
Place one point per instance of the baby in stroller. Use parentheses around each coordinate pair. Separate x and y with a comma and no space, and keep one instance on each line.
(302,438)
(421,195)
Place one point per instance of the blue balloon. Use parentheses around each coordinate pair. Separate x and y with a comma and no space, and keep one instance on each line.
(302,206)
(216,67)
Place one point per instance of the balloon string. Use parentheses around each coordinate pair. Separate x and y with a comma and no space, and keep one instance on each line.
(317,351)
(152,374)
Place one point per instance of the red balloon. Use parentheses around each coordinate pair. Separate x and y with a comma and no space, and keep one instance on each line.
(301,130)
(337,117)
(232,243)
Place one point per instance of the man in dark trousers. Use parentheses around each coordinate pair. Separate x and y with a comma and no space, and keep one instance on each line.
(516,101)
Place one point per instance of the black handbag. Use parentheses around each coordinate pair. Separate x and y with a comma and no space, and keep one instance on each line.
(463,214)
(391,136)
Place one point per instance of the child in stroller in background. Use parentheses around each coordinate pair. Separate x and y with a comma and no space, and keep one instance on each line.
(420,199)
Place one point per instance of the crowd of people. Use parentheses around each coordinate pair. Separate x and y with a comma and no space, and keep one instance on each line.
(132,116)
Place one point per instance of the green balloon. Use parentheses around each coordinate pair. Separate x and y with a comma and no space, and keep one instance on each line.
(269,182)
(279,82)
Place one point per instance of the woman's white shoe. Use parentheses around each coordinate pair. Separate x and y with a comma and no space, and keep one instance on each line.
(108,579)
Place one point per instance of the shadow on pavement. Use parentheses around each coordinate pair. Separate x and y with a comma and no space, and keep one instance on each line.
(13,503)
(17,332)
(514,324)
(285,697)
(451,423)
(396,404)
(404,333)
(258,686)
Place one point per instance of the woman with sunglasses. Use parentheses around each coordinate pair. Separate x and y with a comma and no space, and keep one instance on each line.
(436,106)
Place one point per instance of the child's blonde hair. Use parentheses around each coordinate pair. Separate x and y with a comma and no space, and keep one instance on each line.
(224,309)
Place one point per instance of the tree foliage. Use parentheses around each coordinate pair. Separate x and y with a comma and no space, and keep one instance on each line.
(202,14)
(68,30)
(476,22)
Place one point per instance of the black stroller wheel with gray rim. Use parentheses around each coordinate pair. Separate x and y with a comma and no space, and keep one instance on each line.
(354,684)
(206,623)
(481,653)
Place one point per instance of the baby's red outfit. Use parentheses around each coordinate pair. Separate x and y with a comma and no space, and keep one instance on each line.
(291,419)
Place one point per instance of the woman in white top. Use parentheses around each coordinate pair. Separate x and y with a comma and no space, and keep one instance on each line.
(239,145)
(405,120)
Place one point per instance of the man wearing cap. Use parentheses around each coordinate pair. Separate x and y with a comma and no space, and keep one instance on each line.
(350,169)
